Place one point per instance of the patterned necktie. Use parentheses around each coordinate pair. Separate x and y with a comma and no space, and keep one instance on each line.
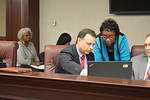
(82,61)
(148,74)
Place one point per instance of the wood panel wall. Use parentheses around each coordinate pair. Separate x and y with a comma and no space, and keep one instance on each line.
(19,14)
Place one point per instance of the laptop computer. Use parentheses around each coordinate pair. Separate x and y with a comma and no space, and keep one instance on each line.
(3,65)
(113,69)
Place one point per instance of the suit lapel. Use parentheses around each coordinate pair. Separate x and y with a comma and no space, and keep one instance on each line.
(76,55)
(88,57)
(143,66)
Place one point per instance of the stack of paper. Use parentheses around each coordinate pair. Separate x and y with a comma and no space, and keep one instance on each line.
(38,67)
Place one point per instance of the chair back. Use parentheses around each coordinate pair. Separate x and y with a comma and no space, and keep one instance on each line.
(8,52)
(51,52)
(41,57)
(137,49)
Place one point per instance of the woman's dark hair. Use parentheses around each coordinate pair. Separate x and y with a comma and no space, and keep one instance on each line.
(63,39)
(110,25)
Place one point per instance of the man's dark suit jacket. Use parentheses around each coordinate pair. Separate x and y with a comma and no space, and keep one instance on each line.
(68,61)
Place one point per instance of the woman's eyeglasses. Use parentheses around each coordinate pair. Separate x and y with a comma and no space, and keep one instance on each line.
(110,37)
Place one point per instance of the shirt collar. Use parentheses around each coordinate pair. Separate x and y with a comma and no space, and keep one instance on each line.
(80,54)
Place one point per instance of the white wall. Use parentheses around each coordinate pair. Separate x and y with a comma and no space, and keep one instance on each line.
(73,15)
(2,17)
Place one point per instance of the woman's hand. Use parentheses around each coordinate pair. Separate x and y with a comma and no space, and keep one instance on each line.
(37,63)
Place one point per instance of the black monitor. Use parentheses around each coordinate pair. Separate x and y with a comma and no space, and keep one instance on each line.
(3,65)
(129,6)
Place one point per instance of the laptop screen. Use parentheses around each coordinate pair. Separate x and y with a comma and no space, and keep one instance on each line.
(2,65)
(113,69)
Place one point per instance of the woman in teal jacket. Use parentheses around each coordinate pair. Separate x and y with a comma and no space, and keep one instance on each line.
(111,44)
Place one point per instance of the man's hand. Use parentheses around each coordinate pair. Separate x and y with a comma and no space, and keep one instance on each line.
(84,72)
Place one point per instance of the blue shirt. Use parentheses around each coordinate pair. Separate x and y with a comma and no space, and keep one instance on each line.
(123,50)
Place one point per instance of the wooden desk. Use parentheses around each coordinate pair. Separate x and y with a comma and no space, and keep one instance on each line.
(46,86)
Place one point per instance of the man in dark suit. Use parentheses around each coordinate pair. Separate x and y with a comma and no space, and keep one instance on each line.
(70,60)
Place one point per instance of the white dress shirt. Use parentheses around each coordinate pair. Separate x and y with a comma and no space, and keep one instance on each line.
(85,61)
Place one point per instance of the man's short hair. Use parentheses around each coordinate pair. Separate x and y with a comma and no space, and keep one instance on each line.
(85,31)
